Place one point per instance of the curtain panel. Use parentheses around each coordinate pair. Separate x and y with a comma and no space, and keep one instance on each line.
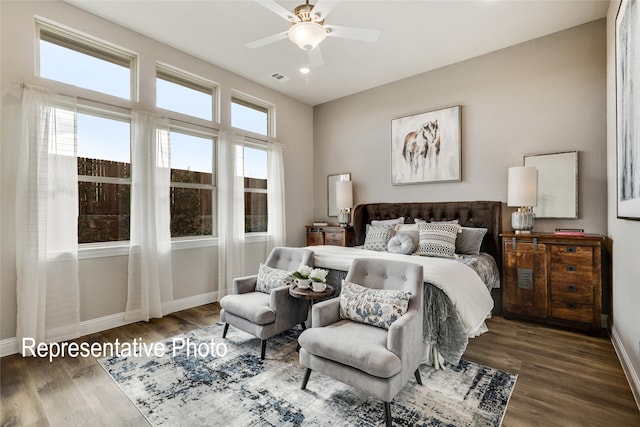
(47,219)
(150,284)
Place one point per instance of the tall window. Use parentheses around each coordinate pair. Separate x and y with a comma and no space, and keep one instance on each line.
(250,115)
(104,177)
(77,61)
(255,190)
(183,93)
(192,184)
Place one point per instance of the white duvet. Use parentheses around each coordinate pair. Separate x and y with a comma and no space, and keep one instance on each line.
(468,294)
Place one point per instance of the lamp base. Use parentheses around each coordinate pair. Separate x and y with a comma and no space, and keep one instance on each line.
(344,218)
(522,221)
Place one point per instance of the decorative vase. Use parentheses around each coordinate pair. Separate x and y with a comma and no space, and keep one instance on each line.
(318,286)
(303,283)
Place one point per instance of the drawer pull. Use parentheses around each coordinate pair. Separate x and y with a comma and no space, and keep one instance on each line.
(571,268)
(571,249)
(572,305)
(572,288)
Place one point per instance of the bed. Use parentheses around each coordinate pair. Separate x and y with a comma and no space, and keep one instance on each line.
(460,293)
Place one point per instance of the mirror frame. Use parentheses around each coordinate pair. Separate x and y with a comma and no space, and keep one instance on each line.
(332,210)
(557,184)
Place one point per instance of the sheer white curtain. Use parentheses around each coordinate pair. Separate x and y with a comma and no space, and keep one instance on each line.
(231,243)
(47,219)
(276,228)
(150,289)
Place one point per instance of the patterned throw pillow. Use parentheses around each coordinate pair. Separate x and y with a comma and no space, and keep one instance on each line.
(271,278)
(376,307)
(378,237)
(438,239)
(470,240)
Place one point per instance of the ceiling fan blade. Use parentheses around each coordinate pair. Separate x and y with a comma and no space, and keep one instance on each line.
(362,34)
(278,10)
(267,40)
(315,57)
(323,8)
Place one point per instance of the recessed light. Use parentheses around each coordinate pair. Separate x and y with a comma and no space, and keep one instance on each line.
(305,70)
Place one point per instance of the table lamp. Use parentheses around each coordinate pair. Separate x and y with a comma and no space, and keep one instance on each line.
(523,194)
(344,201)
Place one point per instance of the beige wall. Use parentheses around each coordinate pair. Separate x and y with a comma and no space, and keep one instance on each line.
(625,235)
(104,279)
(542,96)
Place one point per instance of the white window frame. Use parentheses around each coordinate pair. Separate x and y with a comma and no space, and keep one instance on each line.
(186,242)
(89,45)
(192,81)
(258,104)
(257,145)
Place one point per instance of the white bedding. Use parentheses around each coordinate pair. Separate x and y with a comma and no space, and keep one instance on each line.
(459,282)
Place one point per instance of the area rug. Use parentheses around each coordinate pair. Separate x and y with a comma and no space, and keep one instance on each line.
(196,383)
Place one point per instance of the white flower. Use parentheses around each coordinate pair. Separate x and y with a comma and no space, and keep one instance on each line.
(318,275)
(303,271)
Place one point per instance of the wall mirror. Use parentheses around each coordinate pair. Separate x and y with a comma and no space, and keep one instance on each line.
(332,210)
(557,184)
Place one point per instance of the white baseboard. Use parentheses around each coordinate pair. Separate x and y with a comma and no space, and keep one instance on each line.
(632,376)
(10,346)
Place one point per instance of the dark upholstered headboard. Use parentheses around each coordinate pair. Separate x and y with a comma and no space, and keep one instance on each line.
(469,214)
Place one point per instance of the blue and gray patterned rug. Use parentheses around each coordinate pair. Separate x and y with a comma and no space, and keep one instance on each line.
(197,385)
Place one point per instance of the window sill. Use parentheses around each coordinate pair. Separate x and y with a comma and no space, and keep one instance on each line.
(109,249)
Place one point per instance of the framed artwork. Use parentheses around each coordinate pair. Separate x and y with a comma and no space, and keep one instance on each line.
(628,109)
(426,147)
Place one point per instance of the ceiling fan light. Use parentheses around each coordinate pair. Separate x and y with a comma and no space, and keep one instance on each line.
(307,35)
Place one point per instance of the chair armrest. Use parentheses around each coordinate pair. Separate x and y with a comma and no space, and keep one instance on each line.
(280,296)
(325,313)
(243,285)
(405,335)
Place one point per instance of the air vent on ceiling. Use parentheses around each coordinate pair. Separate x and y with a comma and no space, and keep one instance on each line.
(279,77)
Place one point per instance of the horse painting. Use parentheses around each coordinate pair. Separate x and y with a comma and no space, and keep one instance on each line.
(422,147)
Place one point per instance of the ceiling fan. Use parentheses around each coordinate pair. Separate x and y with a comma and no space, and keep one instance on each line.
(308,30)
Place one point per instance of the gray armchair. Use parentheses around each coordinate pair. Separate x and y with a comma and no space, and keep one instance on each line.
(377,360)
(261,314)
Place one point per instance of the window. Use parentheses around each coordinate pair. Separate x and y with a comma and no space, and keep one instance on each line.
(192,189)
(104,178)
(78,61)
(255,190)
(186,94)
(250,115)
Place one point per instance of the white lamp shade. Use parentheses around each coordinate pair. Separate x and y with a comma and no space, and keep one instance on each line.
(307,35)
(344,194)
(522,186)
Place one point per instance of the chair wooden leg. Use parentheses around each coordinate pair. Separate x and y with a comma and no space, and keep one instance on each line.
(306,378)
(226,329)
(263,349)
(387,414)
(417,375)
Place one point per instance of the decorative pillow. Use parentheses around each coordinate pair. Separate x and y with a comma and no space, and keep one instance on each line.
(376,307)
(388,221)
(411,230)
(470,240)
(271,278)
(378,237)
(438,239)
(446,221)
(401,243)
(419,221)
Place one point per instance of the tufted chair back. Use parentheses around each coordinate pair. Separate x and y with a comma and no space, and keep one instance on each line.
(289,258)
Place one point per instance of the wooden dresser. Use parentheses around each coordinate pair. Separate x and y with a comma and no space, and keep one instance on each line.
(560,280)
(330,235)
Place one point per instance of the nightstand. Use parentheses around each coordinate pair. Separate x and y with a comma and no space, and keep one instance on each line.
(330,235)
(558,280)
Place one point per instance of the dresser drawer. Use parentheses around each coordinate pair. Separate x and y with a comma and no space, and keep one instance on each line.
(573,311)
(572,254)
(572,292)
(572,273)
(334,238)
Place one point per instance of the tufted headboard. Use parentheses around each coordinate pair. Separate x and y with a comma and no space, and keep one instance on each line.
(486,214)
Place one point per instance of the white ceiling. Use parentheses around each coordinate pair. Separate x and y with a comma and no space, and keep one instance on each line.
(416,36)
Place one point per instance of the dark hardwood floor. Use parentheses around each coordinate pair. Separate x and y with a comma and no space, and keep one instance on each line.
(565,378)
